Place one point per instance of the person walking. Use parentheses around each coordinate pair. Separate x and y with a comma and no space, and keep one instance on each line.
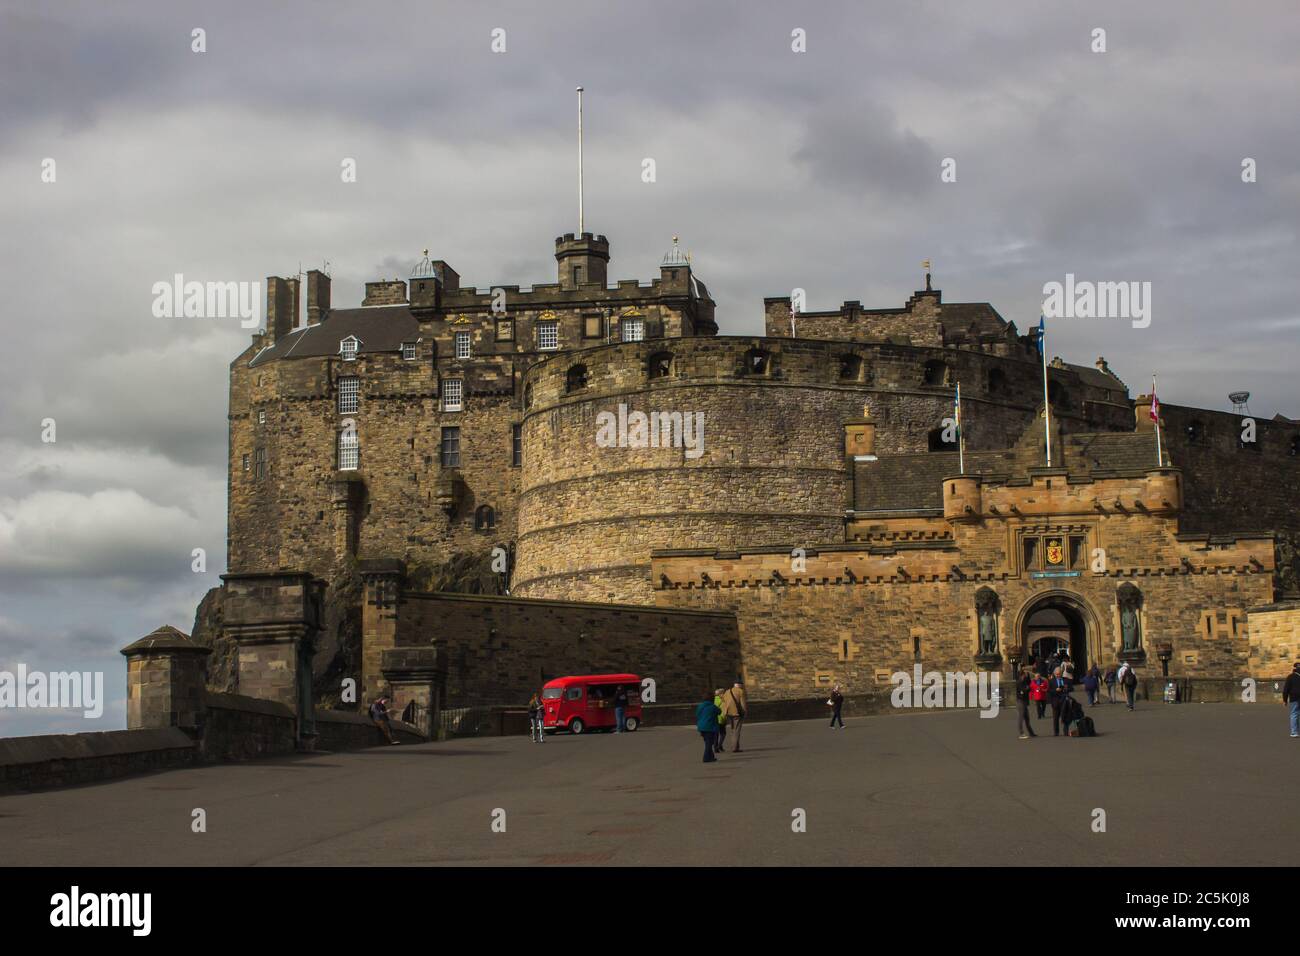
(1067,668)
(379,714)
(1024,688)
(837,705)
(1058,690)
(1091,686)
(735,706)
(1129,681)
(706,722)
(1038,692)
(722,722)
(1110,680)
(620,708)
(536,714)
(1291,695)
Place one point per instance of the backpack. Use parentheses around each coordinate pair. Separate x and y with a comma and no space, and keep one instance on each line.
(1130,678)
(1086,727)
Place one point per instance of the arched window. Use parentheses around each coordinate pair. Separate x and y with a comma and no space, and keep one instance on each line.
(986,613)
(576,380)
(757,362)
(997,381)
(935,373)
(659,365)
(850,368)
(485,518)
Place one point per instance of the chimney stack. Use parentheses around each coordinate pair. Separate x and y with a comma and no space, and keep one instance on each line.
(318,296)
(281,307)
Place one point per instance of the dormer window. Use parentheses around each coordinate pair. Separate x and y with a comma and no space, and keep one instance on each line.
(408,351)
(348,348)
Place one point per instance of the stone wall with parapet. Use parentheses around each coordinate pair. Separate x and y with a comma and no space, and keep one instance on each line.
(1274,633)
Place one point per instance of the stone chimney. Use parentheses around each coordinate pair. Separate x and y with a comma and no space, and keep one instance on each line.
(385,292)
(281,307)
(318,296)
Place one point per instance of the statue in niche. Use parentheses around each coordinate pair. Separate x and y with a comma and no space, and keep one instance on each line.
(1130,623)
(986,607)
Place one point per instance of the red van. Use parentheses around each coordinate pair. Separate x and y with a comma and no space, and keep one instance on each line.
(579,704)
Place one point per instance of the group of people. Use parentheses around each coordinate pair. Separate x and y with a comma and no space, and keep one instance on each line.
(719,713)
(1051,680)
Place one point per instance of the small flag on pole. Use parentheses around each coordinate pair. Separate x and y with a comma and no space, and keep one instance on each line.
(961,448)
(1155,404)
(1042,334)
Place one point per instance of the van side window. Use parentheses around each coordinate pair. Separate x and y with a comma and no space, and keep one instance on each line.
(574,693)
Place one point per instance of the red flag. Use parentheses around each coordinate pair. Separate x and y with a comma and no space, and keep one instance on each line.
(1155,407)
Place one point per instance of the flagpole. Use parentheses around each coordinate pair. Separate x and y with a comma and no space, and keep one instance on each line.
(580,220)
(961,438)
(1047,405)
(1155,408)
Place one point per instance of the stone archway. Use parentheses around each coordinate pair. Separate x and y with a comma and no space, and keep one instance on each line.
(1060,616)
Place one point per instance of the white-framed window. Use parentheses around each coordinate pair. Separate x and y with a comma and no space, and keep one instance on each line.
(462,345)
(633,330)
(408,351)
(453,391)
(548,335)
(349,450)
(348,348)
(349,394)
(261,416)
(247,466)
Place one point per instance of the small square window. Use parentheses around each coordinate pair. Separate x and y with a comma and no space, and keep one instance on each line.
(452,394)
(593,326)
(462,345)
(408,351)
(633,330)
(548,335)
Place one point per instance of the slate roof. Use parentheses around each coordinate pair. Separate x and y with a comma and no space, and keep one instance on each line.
(381,328)
(957,318)
(915,482)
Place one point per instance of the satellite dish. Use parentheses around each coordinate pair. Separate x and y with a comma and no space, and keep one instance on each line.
(1239,398)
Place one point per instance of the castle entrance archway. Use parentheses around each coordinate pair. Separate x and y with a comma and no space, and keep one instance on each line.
(1060,619)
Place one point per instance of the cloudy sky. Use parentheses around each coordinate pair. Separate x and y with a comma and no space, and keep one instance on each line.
(779,169)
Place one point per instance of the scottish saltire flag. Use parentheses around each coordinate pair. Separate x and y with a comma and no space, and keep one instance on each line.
(1042,334)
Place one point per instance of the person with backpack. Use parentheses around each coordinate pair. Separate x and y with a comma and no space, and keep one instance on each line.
(1059,692)
(1024,687)
(1038,692)
(837,704)
(706,722)
(735,706)
(1067,668)
(1291,695)
(536,715)
(1091,685)
(1129,680)
(379,714)
(1110,679)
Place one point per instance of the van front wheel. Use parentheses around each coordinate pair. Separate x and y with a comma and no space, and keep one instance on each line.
(576,726)
(631,723)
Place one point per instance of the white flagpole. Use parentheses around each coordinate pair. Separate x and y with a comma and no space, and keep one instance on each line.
(1160,460)
(1047,405)
(580,220)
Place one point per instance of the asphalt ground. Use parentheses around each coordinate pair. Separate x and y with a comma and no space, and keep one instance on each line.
(1207,784)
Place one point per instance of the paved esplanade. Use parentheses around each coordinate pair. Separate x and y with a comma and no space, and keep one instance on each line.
(1180,784)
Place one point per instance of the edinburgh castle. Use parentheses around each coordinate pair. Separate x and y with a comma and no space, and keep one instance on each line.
(424,474)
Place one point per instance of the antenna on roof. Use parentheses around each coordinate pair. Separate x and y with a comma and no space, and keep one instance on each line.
(580,220)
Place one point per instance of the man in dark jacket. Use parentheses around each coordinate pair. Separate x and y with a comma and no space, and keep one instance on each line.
(1291,695)
(1058,690)
(706,722)
(620,708)
(1022,704)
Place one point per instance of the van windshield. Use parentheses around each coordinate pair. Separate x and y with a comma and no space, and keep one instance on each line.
(552,693)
